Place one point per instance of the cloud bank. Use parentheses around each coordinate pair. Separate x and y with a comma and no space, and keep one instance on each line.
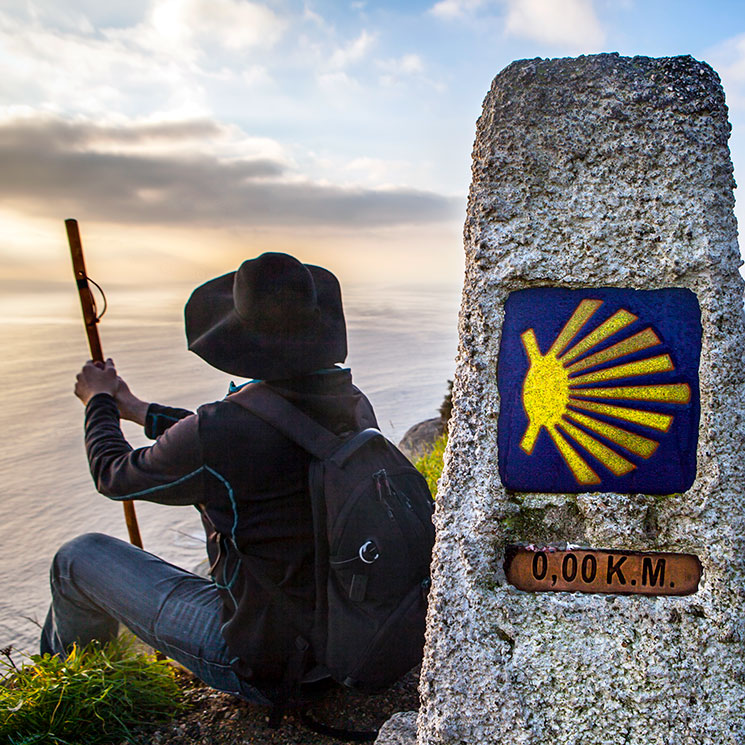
(165,174)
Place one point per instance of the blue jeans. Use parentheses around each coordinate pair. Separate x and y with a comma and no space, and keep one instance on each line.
(99,582)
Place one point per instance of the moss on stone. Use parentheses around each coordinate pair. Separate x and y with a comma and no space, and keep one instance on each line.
(544,523)
(525,524)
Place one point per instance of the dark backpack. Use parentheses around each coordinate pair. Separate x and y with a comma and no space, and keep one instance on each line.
(372,522)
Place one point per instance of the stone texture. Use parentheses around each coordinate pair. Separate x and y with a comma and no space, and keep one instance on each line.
(400,729)
(615,172)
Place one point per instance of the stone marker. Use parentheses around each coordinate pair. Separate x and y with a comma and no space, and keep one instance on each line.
(597,425)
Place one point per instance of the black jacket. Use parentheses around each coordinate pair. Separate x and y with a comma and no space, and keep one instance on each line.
(250,484)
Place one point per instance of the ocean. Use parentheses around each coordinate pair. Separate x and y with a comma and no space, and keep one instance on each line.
(402,344)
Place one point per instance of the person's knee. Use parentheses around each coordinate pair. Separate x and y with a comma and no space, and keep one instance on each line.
(84,547)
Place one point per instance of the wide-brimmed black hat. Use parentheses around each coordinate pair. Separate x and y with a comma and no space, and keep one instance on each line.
(273,318)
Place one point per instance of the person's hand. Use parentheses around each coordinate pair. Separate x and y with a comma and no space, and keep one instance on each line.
(130,407)
(95,378)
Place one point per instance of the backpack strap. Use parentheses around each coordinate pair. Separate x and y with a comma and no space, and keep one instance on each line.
(285,417)
(297,426)
(315,439)
(338,733)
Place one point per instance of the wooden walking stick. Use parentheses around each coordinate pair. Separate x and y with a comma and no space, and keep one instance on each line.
(90,317)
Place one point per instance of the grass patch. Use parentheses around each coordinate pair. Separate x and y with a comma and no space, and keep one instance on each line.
(98,694)
(430,464)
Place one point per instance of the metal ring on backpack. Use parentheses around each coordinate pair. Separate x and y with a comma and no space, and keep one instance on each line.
(364,548)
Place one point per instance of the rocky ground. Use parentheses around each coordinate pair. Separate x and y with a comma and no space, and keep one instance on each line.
(214,718)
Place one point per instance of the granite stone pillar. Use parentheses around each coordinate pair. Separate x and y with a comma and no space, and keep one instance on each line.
(598,406)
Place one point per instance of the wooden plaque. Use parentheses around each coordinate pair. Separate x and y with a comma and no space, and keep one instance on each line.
(601,571)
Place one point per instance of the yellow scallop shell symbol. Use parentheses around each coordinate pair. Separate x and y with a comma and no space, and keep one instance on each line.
(555,395)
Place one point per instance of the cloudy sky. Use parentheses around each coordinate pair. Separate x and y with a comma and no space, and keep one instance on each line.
(186,135)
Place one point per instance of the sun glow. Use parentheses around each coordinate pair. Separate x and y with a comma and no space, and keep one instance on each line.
(555,399)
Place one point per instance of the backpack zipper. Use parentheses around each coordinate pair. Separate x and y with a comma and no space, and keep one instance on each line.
(381,477)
